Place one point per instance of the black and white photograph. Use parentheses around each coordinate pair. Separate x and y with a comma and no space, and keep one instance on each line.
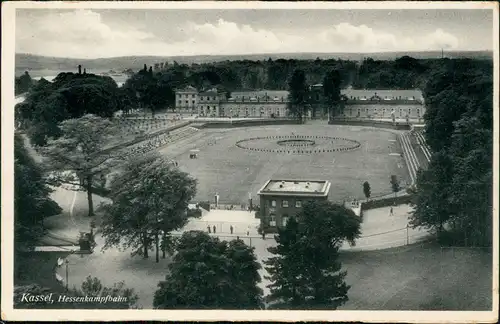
(280,161)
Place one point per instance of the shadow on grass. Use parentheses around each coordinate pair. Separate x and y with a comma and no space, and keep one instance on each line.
(419,277)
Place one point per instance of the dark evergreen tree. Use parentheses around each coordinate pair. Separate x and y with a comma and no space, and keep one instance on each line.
(367,189)
(305,272)
(298,98)
(331,88)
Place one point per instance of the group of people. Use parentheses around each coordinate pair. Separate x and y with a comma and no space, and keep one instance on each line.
(213,229)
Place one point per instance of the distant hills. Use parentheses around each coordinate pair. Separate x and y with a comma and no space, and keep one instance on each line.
(45,65)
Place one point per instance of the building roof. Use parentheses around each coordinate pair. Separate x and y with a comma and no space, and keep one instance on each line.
(311,188)
(390,94)
(404,94)
(260,94)
(208,93)
(187,89)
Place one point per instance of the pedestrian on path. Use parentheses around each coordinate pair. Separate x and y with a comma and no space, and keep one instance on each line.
(208,228)
(263,234)
(215,229)
(231,229)
(391,212)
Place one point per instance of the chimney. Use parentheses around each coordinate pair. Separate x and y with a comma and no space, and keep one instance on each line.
(79,69)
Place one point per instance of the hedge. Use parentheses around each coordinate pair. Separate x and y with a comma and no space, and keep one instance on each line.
(385,202)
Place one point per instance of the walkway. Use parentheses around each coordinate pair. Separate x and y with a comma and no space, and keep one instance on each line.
(410,140)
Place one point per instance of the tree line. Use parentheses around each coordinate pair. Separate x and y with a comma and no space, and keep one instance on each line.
(454,196)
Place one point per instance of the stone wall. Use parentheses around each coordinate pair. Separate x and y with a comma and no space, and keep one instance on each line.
(371,123)
(246,123)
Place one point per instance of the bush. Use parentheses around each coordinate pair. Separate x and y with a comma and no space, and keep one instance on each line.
(195,213)
(268,230)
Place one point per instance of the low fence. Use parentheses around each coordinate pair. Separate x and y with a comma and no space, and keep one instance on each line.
(252,237)
(371,123)
(204,204)
(244,123)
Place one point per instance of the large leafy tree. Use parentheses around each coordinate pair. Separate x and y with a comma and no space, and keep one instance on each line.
(32,202)
(432,208)
(23,83)
(207,273)
(331,87)
(150,199)
(298,97)
(305,272)
(472,182)
(457,187)
(70,95)
(80,149)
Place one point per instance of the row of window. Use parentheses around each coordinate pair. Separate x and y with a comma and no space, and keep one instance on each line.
(187,96)
(187,102)
(375,109)
(208,98)
(284,203)
(272,220)
(194,96)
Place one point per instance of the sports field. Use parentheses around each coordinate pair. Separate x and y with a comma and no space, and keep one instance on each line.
(234,172)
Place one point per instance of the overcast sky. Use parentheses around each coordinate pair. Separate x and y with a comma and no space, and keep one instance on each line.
(93,33)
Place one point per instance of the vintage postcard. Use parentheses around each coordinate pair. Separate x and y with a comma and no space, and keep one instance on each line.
(250,161)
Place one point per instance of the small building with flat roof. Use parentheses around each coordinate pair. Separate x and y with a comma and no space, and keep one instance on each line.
(282,199)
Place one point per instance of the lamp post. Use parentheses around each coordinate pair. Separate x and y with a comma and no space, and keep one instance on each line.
(67,273)
(59,263)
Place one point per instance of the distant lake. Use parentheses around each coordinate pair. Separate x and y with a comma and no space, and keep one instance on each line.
(50,75)
(118,79)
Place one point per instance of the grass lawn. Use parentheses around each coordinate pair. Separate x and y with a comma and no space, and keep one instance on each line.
(38,267)
(419,277)
(234,172)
